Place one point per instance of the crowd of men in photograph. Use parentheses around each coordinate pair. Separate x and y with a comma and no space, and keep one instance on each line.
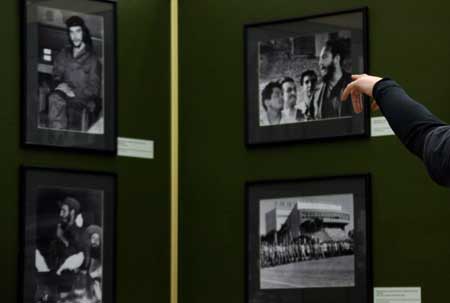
(273,254)
(281,104)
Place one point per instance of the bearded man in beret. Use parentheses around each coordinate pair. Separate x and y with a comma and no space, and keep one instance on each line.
(74,102)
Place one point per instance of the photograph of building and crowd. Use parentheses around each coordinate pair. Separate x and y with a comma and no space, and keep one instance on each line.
(307,242)
(70,71)
(67,246)
(301,78)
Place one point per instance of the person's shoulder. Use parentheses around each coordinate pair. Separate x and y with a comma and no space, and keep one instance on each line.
(263,118)
(320,88)
(92,55)
(67,50)
(92,60)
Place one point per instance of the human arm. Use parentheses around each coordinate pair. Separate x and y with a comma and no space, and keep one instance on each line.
(417,128)
(96,273)
(59,68)
(91,85)
(60,235)
(81,83)
(41,265)
(71,263)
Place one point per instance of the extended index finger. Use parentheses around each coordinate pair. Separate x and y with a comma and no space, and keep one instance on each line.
(357,76)
(347,91)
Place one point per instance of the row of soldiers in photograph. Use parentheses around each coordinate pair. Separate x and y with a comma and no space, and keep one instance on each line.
(273,254)
(281,104)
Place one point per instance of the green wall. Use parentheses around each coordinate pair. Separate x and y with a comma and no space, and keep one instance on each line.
(143,218)
(409,42)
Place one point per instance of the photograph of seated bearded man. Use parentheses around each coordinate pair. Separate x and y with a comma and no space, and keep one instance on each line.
(74,104)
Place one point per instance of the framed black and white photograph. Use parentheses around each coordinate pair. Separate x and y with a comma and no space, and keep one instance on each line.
(69,74)
(295,73)
(67,247)
(308,240)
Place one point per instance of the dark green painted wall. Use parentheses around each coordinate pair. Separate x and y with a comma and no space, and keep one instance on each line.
(409,42)
(143,220)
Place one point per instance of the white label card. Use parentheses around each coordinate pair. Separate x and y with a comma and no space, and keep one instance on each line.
(136,148)
(380,127)
(397,295)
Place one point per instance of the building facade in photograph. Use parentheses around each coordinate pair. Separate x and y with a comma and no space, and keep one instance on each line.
(290,221)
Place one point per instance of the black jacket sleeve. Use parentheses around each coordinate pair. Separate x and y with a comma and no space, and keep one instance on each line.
(417,128)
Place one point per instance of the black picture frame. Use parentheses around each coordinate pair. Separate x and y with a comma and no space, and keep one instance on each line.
(277,50)
(298,213)
(51,116)
(44,256)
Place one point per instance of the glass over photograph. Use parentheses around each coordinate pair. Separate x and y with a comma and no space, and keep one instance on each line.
(68,245)
(67,236)
(307,242)
(301,78)
(296,71)
(70,69)
(69,64)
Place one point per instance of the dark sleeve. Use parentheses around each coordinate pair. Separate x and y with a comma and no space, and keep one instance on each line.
(58,68)
(417,128)
(92,87)
(436,154)
(74,235)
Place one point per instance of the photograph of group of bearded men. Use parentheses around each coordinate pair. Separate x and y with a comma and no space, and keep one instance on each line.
(308,87)
(68,253)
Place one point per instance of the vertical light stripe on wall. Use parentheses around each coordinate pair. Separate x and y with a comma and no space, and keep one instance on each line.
(174,152)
